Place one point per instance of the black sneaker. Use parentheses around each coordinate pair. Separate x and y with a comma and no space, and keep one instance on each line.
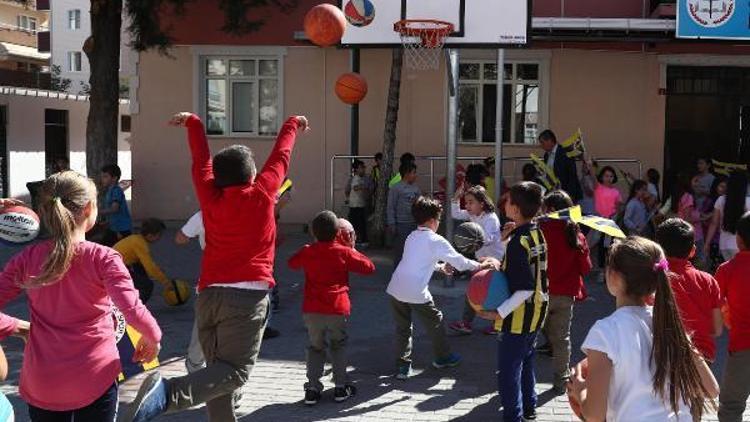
(344,393)
(270,333)
(529,416)
(312,397)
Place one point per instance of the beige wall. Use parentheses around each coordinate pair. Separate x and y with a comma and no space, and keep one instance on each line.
(612,96)
(9,32)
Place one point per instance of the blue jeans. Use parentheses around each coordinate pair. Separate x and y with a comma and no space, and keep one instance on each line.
(103,409)
(515,376)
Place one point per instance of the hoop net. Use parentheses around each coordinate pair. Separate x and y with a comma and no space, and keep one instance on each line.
(423,41)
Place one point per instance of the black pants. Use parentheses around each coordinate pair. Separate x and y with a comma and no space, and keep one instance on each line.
(141,281)
(103,409)
(358,218)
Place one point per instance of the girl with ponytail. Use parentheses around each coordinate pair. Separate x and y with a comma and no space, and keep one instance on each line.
(642,364)
(71,363)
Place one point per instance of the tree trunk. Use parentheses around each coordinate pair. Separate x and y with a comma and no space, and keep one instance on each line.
(103,51)
(377,236)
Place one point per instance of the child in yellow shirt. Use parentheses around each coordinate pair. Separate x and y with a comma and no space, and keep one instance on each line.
(136,254)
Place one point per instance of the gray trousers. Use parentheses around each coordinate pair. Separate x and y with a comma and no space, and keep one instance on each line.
(402,231)
(431,318)
(230,329)
(735,387)
(557,330)
(326,332)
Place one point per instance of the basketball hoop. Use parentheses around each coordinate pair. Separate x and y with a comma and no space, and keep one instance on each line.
(423,41)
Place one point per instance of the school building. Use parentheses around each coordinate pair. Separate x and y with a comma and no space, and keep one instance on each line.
(612,68)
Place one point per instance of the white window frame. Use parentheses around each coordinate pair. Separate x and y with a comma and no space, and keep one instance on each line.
(24,23)
(200,57)
(71,61)
(74,19)
(540,58)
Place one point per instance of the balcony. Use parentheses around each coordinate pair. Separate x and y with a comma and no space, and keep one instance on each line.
(43,42)
(18,35)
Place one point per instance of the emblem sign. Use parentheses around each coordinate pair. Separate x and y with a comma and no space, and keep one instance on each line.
(711,13)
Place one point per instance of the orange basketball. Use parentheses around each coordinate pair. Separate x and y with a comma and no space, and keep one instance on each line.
(351,88)
(325,24)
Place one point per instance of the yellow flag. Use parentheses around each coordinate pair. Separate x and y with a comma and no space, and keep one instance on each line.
(575,214)
(726,169)
(574,146)
(546,175)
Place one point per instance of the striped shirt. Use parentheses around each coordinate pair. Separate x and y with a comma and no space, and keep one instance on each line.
(525,265)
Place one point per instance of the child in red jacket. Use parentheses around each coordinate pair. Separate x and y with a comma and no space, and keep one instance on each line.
(568,262)
(326,307)
(696,293)
(734,281)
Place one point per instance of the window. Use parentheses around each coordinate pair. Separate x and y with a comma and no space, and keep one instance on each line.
(26,23)
(241,95)
(125,123)
(74,61)
(477,102)
(74,19)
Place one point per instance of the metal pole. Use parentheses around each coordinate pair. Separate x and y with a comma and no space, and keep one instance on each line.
(354,112)
(499,123)
(451,139)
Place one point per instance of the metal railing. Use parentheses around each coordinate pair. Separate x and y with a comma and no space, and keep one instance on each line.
(435,166)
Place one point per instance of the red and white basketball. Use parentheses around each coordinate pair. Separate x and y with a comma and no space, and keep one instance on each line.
(359,12)
(18,225)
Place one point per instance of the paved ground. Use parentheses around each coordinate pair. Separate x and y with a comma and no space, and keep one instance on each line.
(274,393)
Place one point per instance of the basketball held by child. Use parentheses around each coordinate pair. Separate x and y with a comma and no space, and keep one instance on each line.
(359,12)
(325,25)
(351,88)
(177,294)
(575,405)
(468,238)
(18,225)
(487,290)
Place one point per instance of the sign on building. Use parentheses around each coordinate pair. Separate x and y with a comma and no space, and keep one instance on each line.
(713,19)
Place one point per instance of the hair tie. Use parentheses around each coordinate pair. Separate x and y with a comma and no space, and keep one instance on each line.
(56,199)
(662,265)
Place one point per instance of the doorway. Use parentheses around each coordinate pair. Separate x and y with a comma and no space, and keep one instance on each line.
(4,188)
(55,139)
(708,115)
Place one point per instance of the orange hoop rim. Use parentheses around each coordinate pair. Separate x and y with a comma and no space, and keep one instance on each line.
(432,32)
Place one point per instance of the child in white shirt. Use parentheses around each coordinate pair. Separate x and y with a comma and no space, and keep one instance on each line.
(642,365)
(424,251)
(478,209)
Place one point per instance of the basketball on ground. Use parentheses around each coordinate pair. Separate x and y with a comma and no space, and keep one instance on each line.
(359,12)
(351,88)
(487,290)
(575,405)
(18,225)
(469,238)
(178,294)
(325,25)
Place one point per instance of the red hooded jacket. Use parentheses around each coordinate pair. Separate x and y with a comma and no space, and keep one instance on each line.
(566,266)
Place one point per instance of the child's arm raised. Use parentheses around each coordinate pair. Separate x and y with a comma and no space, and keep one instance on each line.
(358,263)
(456,211)
(202,168)
(298,260)
(277,165)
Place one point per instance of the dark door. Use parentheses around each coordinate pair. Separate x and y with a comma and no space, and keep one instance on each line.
(4,188)
(708,114)
(55,137)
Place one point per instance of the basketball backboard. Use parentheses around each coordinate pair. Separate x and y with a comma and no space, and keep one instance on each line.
(476,23)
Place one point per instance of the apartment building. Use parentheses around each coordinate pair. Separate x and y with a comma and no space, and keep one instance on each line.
(21,64)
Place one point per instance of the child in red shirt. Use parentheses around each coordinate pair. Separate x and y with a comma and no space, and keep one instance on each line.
(696,293)
(734,281)
(326,307)
(568,261)
(237,204)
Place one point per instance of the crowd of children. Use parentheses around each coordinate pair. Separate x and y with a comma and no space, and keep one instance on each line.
(648,360)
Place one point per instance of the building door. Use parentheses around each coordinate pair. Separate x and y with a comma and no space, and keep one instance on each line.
(708,115)
(55,137)
(4,187)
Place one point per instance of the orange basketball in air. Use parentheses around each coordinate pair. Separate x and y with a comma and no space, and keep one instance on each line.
(325,25)
(351,88)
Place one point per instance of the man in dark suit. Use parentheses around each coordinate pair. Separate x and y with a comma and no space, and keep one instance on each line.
(563,166)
